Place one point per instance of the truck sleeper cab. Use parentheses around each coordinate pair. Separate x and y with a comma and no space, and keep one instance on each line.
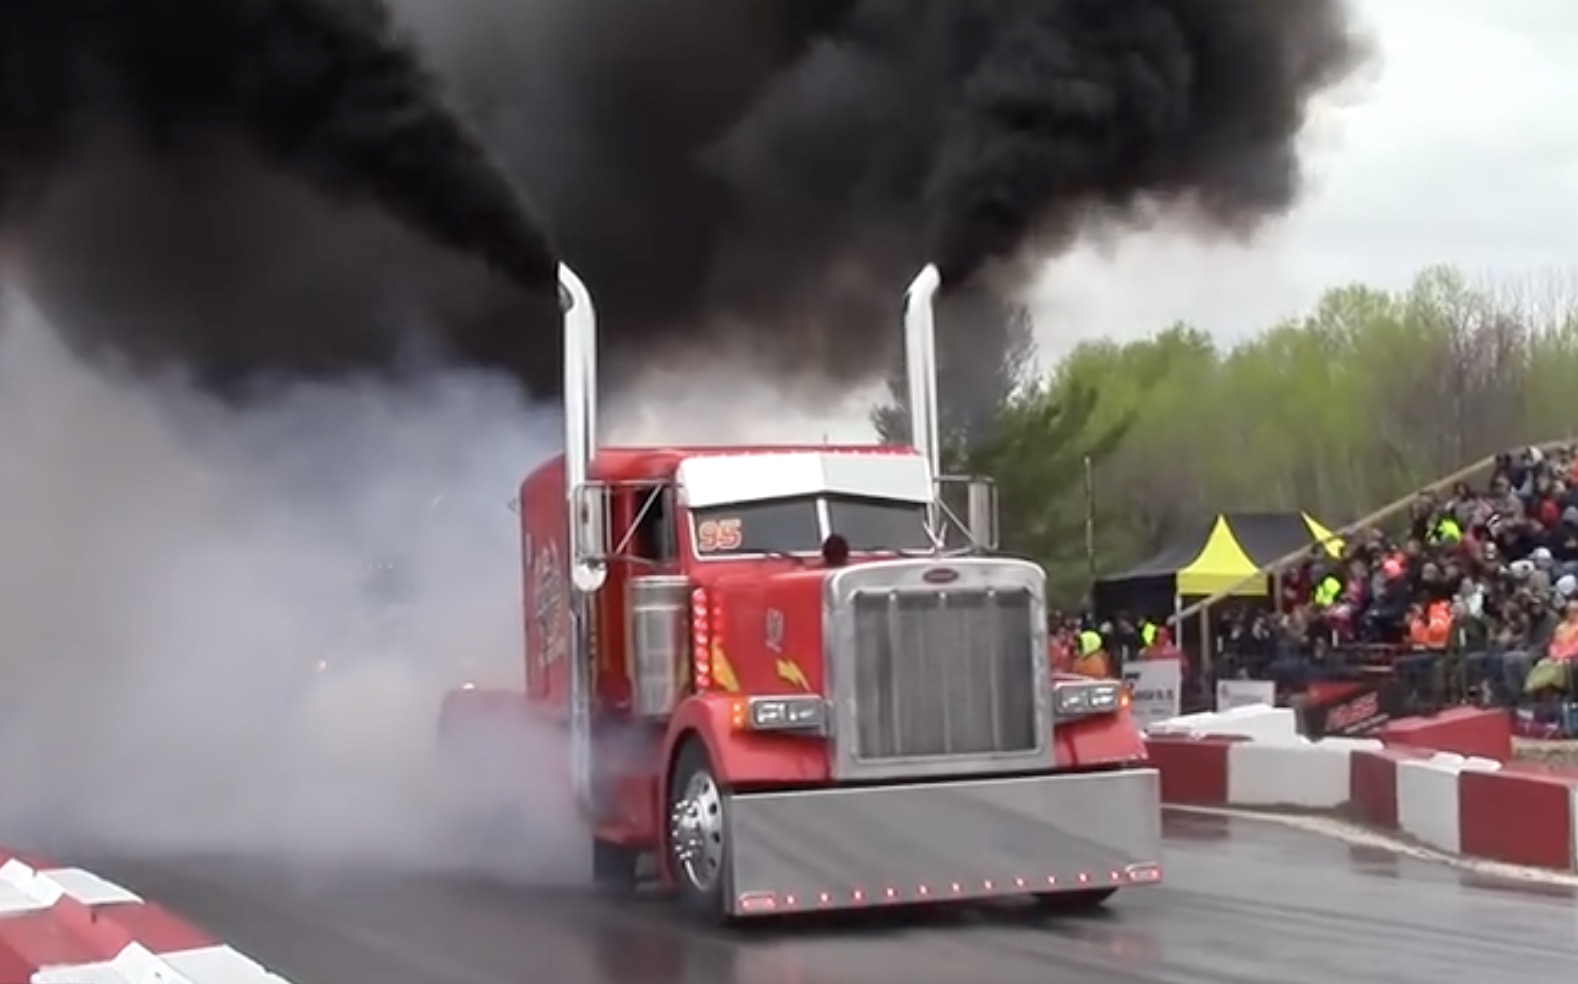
(775,674)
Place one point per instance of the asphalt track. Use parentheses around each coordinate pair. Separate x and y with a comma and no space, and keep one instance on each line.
(1245,902)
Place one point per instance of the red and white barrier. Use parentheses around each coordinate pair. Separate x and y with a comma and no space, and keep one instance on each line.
(69,926)
(1477,807)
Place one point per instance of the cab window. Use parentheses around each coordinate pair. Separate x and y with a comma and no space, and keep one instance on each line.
(654,537)
(778,526)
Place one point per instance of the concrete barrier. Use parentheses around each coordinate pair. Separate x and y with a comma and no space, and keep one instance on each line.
(1463,804)
(69,926)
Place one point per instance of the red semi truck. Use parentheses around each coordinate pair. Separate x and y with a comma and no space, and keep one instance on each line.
(774,673)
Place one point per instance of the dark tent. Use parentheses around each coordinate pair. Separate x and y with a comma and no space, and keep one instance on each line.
(1222,556)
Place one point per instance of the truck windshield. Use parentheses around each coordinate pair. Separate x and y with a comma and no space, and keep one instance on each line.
(796,526)
(879,524)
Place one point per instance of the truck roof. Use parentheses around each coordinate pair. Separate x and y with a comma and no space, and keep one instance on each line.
(612,463)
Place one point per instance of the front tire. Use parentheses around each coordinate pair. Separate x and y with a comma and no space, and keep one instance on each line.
(698,846)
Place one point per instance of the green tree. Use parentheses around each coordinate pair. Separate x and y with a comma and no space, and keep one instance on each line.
(1367,397)
(1030,434)
(1035,449)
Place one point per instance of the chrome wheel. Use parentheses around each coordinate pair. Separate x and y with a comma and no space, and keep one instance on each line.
(696,832)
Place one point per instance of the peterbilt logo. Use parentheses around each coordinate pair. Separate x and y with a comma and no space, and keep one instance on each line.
(775,630)
(940,575)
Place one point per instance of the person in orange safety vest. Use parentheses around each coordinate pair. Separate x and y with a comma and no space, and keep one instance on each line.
(1092,660)
(1431,628)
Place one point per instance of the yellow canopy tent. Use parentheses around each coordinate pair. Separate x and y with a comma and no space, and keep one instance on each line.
(1223,557)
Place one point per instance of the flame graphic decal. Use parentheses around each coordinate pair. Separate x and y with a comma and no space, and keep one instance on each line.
(789,672)
(723,670)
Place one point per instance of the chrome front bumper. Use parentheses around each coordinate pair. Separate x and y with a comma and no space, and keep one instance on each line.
(933,842)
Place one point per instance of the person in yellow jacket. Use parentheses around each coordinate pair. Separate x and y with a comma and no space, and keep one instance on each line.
(1148,630)
(1447,531)
(1327,592)
(1092,659)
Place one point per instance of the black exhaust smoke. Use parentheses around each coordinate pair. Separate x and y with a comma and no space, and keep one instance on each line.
(174,171)
(758,177)
(325,88)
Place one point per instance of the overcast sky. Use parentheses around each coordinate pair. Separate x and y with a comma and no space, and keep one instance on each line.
(1461,148)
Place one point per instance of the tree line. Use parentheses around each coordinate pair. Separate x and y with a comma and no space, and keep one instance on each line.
(1368,396)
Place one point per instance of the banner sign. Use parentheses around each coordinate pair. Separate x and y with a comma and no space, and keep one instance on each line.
(1154,690)
(1355,712)
(1244,693)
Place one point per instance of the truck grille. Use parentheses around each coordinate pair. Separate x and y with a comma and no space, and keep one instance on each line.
(944,673)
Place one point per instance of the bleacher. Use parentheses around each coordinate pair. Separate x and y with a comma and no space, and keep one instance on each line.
(1465,592)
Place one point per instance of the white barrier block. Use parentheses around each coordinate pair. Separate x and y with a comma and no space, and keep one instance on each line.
(22,889)
(137,965)
(1427,803)
(1572,823)
(14,901)
(1181,724)
(1456,762)
(1255,722)
(133,965)
(1309,776)
(1350,745)
(221,965)
(88,888)
(1189,722)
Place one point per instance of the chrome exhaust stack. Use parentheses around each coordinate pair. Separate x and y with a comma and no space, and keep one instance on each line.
(585,509)
(920,365)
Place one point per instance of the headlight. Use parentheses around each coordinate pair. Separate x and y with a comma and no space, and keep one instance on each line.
(807,713)
(1075,699)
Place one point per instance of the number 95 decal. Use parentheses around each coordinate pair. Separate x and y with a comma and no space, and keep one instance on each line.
(719,535)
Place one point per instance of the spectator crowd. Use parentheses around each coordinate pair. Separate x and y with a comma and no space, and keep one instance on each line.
(1476,598)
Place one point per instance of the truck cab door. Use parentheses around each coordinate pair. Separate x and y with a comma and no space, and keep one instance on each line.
(643,532)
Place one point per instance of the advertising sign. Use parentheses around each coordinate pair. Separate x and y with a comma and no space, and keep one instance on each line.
(1154,688)
(1355,712)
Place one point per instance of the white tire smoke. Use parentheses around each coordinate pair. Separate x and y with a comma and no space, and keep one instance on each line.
(172,571)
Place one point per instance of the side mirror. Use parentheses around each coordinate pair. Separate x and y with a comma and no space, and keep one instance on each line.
(981,512)
(589,504)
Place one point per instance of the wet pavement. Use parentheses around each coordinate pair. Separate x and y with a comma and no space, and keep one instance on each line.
(1245,902)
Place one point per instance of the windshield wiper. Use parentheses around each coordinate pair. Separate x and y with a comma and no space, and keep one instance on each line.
(786,555)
